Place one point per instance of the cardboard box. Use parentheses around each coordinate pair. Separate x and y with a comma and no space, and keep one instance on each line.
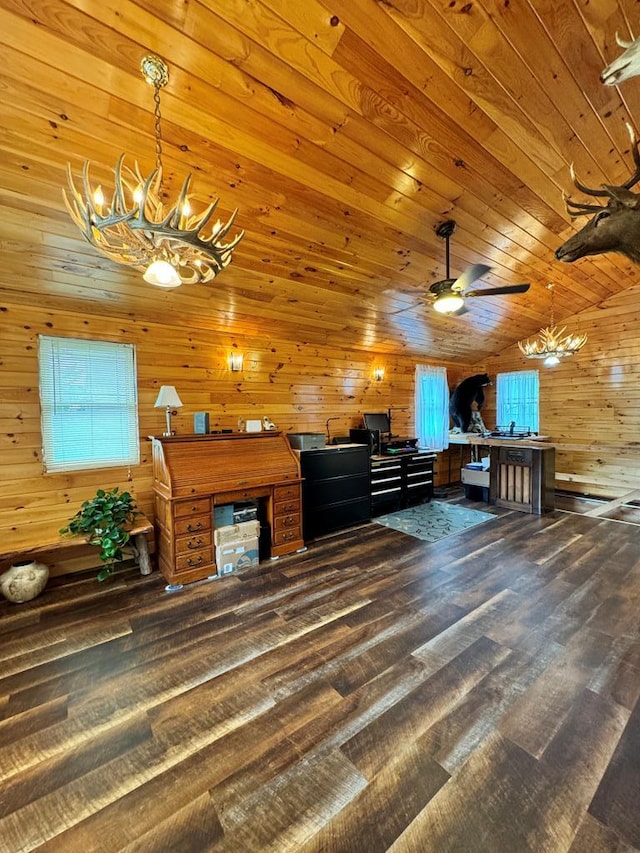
(471,477)
(236,532)
(235,556)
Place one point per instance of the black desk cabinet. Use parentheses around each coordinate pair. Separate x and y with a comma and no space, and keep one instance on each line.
(401,480)
(335,489)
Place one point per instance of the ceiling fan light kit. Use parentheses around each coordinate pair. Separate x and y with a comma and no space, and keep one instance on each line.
(449,294)
(448,303)
(170,245)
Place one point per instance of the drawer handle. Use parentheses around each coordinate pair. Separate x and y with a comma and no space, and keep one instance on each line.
(196,562)
(191,529)
(288,536)
(194,544)
(290,508)
(289,520)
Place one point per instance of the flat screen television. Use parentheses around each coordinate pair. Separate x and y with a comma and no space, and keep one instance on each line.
(377,420)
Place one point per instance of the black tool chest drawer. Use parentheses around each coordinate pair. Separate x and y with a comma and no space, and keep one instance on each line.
(400,481)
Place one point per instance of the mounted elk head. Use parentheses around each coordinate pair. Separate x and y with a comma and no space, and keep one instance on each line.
(614,228)
(625,66)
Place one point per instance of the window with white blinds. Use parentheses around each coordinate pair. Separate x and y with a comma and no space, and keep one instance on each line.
(89,404)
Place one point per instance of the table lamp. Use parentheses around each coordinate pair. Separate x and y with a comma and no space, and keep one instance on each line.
(168,397)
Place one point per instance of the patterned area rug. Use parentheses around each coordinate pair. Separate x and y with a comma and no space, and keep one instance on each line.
(434,520)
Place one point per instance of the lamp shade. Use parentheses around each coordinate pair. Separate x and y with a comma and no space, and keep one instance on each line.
(168,396)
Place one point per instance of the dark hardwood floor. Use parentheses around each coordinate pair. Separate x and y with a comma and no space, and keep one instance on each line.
(375,693)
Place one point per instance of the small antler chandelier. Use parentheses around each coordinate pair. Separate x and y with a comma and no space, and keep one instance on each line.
(169,244)
(552,343)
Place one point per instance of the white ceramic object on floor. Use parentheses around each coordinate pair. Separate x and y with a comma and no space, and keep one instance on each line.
(24,581)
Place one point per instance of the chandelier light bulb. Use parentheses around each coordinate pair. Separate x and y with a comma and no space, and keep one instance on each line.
(162,274)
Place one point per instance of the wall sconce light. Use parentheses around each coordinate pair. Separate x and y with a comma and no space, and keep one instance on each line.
(378,374)
(168,398)
(235,361)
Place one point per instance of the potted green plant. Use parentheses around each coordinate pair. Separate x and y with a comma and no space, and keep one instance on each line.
(105,521)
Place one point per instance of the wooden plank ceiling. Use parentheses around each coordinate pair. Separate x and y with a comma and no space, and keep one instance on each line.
(344,131)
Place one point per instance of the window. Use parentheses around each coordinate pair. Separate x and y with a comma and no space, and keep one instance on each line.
(517,399)
(432,407)
(89,405)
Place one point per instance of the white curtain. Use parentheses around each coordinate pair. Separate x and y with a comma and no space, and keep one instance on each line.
(432,407)
(517,399)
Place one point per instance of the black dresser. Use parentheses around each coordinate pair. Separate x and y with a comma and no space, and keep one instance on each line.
(335,489)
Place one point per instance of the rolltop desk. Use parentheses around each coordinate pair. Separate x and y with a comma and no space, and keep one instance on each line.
(195,473)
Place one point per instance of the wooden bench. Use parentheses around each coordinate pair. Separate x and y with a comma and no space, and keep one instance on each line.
(138,545)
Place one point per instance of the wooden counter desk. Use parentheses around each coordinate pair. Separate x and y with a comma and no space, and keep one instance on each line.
(195,473)
(498,441)
(522,470)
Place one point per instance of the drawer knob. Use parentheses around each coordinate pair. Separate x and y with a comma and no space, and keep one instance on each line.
(194,528)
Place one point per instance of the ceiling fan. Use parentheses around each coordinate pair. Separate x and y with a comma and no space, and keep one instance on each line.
(449,294)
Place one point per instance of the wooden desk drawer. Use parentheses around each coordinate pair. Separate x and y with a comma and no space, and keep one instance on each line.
(281,537)
(286,507)
(284,493)
(194,559)
(286,522)
(198,524)
(194,542)
(197,507)
(242,495)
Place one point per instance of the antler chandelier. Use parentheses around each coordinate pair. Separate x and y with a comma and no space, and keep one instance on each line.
(169,244)
(552,343)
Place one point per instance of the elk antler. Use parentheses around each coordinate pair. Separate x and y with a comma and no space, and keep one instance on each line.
(576,208)
(604,191)
(636,158)
(622,43)
(601,193)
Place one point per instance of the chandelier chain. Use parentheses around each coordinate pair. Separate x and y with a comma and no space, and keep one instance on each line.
(158,129)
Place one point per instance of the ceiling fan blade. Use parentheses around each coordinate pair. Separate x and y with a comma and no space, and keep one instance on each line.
(497,291)
(471,274)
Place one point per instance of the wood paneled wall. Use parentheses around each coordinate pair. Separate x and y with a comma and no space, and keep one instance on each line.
(590,402)
(299,386)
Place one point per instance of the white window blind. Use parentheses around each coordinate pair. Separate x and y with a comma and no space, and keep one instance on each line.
(517,399)
(432,407)
(89,404)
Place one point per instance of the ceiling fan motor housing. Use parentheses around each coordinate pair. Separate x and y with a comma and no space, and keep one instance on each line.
(444,286)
